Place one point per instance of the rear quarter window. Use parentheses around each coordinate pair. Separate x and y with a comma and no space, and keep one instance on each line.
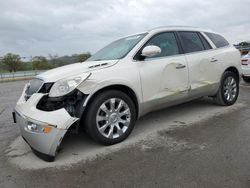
(218,40)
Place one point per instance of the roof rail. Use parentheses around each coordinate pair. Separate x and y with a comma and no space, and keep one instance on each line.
(170,26)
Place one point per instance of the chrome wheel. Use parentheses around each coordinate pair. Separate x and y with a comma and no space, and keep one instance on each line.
(113,118)
(230,88)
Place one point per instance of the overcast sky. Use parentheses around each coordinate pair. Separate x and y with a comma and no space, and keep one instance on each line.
(42,27)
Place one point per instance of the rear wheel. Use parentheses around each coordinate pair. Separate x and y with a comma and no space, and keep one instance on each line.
(246,79)
(110,117)
(229,89)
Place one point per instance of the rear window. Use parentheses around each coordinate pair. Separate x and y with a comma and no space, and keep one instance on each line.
(191,41)
(218,40)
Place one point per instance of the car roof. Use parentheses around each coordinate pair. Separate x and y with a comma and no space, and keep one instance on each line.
(171,28)
(178,28)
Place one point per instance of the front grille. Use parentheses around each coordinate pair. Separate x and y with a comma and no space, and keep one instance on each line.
(33,87)
(46,87)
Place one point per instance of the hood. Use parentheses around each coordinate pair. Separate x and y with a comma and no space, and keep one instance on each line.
(59,73)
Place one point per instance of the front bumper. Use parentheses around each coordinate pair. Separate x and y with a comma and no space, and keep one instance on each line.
(44,144)
(245,70)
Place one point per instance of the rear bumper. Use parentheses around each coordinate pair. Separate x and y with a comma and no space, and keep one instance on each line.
(32,123)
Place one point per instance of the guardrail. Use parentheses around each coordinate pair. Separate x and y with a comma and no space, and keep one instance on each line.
(20,74)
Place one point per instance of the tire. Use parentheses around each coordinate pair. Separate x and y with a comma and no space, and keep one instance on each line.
(227,94)
(101,117)
(246,79)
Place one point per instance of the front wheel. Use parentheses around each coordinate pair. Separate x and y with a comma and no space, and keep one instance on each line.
(246,79)
(229,89)
(110,117)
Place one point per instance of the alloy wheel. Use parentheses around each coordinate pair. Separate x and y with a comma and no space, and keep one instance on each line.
(113,118)
(230,88)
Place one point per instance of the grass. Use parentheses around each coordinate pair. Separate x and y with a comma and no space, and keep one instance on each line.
(3,71)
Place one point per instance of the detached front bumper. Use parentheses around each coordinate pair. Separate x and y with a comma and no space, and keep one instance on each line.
(42,130)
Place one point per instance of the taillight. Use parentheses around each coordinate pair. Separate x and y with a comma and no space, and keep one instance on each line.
(244,61)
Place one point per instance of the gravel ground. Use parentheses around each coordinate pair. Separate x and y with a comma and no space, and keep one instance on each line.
(196,144)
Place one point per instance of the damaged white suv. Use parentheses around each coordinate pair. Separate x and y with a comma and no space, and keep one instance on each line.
(123,81)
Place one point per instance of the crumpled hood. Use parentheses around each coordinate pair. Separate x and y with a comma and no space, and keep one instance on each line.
(56,74)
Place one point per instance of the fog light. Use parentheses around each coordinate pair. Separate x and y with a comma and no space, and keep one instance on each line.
(38,128)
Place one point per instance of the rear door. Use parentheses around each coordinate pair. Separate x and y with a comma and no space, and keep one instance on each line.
(202,65)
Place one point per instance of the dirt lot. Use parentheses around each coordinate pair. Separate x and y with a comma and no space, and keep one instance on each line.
(196,144)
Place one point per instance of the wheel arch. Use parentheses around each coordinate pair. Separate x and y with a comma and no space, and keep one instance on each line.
(120,87)
(234,70)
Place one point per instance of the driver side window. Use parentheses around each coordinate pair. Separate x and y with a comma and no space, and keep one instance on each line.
(166,42)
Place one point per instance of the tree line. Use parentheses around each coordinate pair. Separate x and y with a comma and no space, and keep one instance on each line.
(13,62)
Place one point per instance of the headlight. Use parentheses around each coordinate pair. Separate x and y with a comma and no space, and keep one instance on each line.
(65,86)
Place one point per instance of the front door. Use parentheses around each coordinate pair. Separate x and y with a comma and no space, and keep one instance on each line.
(164,77)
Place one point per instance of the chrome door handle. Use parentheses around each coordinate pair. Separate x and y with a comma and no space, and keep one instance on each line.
(180,66)
(213,60)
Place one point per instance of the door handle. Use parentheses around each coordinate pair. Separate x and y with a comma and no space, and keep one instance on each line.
(213,60)
(180,66)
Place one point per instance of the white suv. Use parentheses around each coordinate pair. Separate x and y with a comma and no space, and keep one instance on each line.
(123,81)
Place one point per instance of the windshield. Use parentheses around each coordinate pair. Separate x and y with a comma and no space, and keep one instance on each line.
(117,49)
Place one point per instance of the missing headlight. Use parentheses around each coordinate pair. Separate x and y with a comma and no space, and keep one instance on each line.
(69,102)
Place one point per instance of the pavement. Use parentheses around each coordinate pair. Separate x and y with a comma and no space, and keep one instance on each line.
(196,144)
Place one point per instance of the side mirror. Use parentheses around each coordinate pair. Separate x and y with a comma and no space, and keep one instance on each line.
(150,51)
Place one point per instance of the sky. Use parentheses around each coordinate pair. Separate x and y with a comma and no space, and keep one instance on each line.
(65,27)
